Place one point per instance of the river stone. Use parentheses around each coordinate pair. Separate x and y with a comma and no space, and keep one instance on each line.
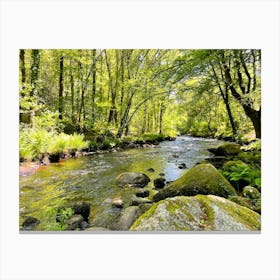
(253,204)
(139,200)
(29,223)
(117,202)
(159,183)
(230,149)
(128,217)
(83,209)
(134,179)
(74,222)
(142,193)
(201,179)
(197,213)
(251,192)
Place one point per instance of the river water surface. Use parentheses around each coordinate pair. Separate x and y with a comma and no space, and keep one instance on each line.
(91,179)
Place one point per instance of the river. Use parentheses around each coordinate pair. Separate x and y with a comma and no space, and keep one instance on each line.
(91,178)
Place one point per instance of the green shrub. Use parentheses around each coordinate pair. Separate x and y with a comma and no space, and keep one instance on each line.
(34,142)
(236,171)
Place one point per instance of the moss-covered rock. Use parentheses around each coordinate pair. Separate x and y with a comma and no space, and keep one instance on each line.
(251,192)
(230,149)
(253,204)
(201,179)
(134,179)
(198,213)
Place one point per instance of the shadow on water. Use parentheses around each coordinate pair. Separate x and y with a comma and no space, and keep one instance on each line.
(91,179)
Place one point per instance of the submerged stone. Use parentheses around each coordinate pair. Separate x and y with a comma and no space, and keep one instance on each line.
(134,179)
(197,213)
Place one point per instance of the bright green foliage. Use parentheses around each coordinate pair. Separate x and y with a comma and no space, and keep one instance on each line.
(34,143)
(237,170)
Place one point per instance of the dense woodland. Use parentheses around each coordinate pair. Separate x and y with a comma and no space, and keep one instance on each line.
(78,95)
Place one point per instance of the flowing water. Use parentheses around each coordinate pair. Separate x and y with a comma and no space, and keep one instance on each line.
(91,179)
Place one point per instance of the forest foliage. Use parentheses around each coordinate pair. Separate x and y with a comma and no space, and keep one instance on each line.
(68,96)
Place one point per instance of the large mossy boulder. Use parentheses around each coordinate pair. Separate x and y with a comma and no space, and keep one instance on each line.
(201,179)
(230,149)
(133,179)
(197,213)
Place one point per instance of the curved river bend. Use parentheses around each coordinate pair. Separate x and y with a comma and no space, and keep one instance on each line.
(91,178)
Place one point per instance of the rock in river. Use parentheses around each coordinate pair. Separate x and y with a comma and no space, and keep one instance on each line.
(230,149)
(117,202)
(201,179)
(142,193)
(75,222)
(197,213)
(134,179)
(139,200)
(128,217)
(159,183)
(83,209)
(29,223)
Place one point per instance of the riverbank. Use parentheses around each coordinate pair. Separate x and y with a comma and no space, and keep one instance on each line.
(95,145)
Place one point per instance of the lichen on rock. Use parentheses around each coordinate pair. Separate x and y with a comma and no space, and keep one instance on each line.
(197,213)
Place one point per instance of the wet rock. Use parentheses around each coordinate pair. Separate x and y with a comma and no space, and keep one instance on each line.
(159,183)
(83,209)
(117,202)
(201,179)
(151,170)
(175,155)
(230,149)
(182,166)
(251,192)
(139,200)
(74,222)
(128,217)
(54,157)
(84,225)
(169,138)
(29,223)
(134,179)
(161,174)
(142,193)
(144,207)
(198,213)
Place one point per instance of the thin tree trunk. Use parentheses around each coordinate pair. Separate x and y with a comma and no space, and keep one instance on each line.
(72,86)
(34,73)
(93,85)
(22,66)
(61,86)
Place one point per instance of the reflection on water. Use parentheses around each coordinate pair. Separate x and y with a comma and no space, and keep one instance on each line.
(91,178)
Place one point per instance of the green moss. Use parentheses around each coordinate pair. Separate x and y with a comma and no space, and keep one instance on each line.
(207,209)
(229,149)
(241,214)
(145,215)
(201,179)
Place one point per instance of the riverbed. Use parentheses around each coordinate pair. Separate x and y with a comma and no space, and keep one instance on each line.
(91,179)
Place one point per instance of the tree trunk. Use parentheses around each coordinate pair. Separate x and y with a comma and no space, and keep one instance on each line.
(61,85)
(72,95)
(161,117)
(34,73)
(22,67)
(93,85)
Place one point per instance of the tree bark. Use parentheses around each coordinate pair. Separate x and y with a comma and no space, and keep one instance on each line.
(22,66)
(93,93)
(61,86)
(34,73)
